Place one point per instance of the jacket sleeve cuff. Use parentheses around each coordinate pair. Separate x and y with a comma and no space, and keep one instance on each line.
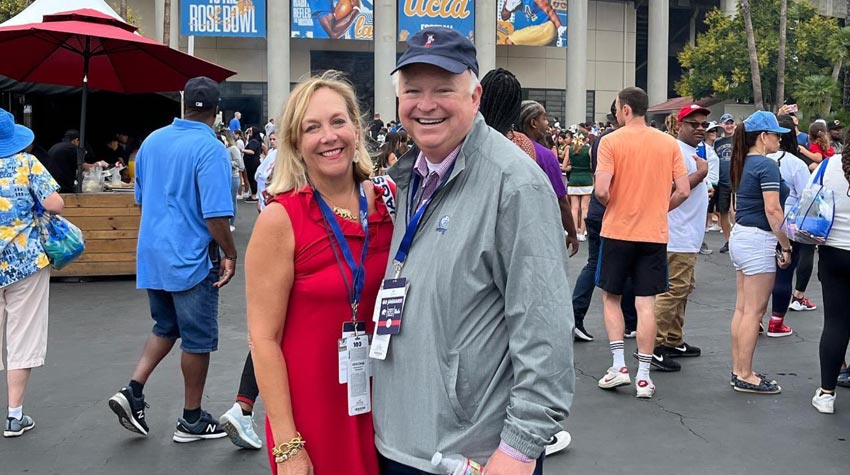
(520,442)
(514,453)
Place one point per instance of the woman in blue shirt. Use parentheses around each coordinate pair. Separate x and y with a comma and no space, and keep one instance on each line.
(760,193)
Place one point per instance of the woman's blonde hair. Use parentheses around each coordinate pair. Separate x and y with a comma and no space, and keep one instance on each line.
(229,141)
(290,173)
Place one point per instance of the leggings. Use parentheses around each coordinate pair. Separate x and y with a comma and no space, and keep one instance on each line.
(248,390)
(834,275)
(804,266)
(782,285)
(251,165)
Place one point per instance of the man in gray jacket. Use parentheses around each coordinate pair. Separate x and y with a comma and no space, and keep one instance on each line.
(481,364)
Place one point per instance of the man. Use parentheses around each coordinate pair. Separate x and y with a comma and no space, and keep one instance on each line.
(483,353)
(586,281)
(62,161)
(536,25)
(712,178)
(686,224)
(835,136)
(184,217)
(376,126)
(636,166)
(335,19)
(235,123)
(723,148)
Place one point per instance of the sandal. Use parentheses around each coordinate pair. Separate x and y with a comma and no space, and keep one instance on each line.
(763,387)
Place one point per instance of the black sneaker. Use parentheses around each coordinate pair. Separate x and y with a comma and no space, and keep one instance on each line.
(204,428)
(580,334)
(130,411)
(683,351)
(725,248)
(661,360)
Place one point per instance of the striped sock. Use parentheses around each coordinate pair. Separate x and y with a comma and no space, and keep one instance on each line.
(643,366)
(617,348)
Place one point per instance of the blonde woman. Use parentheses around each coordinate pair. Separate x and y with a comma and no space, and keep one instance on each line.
(301,289)
(237,166)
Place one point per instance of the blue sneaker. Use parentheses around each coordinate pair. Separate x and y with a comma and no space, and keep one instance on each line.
(844,378)
(17,427)
(240,428)
(204,428)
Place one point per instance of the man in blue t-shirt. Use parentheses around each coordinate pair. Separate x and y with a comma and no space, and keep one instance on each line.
(235,123)
(185,254)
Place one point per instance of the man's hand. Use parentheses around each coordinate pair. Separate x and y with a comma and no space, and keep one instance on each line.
(511,5)
(572,244)
(226,271)
(702,164)
(501,463)
(710,192)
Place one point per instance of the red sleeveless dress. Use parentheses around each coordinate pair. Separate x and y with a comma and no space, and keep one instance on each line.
(318,305)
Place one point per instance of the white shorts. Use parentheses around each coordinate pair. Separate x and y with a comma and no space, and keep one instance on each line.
(752,250)
(23,320)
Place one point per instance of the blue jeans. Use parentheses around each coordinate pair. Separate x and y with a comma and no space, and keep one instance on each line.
(389,467)
(191,315)
(586,282)
(234,188)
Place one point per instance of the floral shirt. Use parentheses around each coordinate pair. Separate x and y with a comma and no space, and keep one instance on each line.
(21,254)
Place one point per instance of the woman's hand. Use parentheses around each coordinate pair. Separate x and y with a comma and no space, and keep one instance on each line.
(786,260)
(300,464)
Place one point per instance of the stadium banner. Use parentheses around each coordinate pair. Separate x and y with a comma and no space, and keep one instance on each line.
(415,15)
(532,23)
(334,19)
(245,18)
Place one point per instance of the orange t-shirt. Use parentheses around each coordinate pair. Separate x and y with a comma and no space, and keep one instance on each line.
(644,162)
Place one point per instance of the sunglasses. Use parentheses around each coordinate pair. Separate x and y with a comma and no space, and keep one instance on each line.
(696,124)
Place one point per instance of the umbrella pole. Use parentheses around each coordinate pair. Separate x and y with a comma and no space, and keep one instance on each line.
(81,152)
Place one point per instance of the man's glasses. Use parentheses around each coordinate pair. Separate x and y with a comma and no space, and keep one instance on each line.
(696,124)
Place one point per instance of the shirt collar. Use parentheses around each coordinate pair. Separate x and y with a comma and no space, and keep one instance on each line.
(193,124)
(421,166)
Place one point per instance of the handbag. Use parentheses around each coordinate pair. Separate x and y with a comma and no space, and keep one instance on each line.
(62,241)
(810,220)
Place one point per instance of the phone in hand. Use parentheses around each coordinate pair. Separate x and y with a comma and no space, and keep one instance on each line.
(792,108)
(780,256)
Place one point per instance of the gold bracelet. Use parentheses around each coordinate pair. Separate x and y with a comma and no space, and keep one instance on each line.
(286,451)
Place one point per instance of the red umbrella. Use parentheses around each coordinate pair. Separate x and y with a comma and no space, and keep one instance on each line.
(91,49)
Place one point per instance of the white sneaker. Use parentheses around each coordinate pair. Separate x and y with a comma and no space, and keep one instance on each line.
(615,377)
(644,388)
(240,428)
(582,238)
(630,334)
(562,441)
(714,227)
(823,402)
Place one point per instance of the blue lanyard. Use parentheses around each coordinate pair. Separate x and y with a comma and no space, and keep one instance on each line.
(413,222)
(358,272)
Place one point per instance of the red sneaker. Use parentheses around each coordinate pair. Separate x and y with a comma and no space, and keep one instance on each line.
(802,304)
(777,328)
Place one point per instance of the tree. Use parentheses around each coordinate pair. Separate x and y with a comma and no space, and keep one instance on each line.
(813,93)
(780,56)
(10,8)
(166,23)
(839,51)
(122,10)
(755,74)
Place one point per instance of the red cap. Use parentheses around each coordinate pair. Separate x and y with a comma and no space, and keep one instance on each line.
(692,109)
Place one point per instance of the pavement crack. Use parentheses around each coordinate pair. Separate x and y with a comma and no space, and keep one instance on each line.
(681,417)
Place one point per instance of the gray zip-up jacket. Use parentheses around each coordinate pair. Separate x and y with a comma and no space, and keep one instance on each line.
(485,349)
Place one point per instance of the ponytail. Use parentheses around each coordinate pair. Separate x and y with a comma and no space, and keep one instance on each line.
(742,142)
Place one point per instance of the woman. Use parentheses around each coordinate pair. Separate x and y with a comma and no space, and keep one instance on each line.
(237,166)
(391,150)
(580,185)
(252,156)
(299,285)
(796,174)
(834,275)
(671,125)
(24,267)
(753,245)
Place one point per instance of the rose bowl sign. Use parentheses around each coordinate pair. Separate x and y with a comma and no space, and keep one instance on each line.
(223,18)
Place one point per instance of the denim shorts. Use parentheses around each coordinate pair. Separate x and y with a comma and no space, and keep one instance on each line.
(752,250)
(191,315)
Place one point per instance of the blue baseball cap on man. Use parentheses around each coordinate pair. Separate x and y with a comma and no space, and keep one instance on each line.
(442,47)
(763,121)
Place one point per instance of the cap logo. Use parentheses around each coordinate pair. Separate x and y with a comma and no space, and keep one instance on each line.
(199,104)
(430,41)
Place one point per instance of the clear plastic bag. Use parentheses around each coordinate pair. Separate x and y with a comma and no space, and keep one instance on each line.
(810,220)
(62,241)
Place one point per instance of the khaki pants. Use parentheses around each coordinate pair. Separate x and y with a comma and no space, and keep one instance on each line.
(670,306)
(23,320)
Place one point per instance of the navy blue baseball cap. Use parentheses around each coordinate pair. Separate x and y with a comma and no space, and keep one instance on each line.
(441,47)
(763,121)
(201,93)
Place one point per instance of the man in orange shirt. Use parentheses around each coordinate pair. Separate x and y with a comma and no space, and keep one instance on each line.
(637,167)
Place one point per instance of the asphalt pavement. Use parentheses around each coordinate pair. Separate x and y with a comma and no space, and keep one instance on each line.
(695,424)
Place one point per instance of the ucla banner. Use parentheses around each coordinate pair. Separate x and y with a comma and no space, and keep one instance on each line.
(223,18)
(532,22)
(335,19)
(414,15)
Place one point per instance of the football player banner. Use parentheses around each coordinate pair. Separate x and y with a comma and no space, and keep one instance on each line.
(335,19)
(223,18)
(532,22)
(415,15)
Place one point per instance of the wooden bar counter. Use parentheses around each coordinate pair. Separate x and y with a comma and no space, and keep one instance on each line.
(110,223)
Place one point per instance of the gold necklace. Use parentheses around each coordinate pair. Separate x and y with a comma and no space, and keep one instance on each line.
(343,213)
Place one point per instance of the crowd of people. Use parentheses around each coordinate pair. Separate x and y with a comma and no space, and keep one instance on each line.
(403,272)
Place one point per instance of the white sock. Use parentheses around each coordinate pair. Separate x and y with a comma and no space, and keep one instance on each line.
(643,366)
(617,351)
(16,412)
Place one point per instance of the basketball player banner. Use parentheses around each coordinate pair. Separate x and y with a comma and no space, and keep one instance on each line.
(334,19)
(415,15)
(223,18)
(532,22)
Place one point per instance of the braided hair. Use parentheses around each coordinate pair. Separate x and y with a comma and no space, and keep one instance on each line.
(500,100)
(529,111)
